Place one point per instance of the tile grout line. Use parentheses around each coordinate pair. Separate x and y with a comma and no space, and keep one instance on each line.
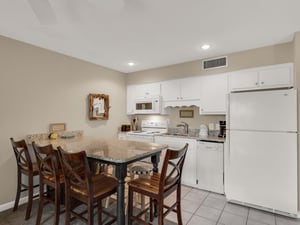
(221,213)
(247,215)
(194,214)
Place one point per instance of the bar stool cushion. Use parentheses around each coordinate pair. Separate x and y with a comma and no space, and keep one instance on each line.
(140,170)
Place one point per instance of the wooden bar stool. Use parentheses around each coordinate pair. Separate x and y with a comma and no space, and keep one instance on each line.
(135,170)
(26,167)
(158,186)
(50,175)
(139,170)
(83,187)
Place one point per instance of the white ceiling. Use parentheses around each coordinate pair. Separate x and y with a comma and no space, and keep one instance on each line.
(151,33)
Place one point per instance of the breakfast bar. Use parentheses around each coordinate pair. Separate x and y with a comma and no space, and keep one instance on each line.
(116,152)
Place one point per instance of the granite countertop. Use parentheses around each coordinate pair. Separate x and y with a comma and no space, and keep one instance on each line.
(110,150)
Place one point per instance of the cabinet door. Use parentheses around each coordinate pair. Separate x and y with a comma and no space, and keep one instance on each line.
(213,94)
(131,90)
(276,77)
(122,136)
(243,80)
(170,90)
(189,167)
(210,167)
(190,88)
(147,90)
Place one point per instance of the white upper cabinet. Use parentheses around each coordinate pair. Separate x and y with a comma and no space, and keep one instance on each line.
(170,90)
(146,90)
(139,91)
(213,91)
(275,76)
(181,89)
(131,99)
(190,88)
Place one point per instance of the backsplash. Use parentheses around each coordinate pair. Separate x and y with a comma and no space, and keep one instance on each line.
(174,119)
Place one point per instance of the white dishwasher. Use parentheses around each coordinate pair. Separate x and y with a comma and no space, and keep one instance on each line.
(210,166)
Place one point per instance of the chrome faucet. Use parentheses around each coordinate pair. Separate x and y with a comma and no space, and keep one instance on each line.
(185,126)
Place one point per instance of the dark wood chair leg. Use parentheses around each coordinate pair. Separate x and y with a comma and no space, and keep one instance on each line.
(160,212)
(30,196)
(68,210)
(41,205)
(90,213)
(130,206)
(151,210)
(18,191)
(57,204)
(178,206)
(99,212)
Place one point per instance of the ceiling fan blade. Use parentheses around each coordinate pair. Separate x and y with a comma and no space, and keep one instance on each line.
(43,11)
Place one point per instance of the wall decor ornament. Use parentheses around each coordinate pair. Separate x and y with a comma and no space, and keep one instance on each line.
(98,106)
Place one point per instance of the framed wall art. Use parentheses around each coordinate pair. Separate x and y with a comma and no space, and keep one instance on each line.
(98,106)
(186,113)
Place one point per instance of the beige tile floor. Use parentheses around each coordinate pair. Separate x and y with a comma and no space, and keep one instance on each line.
(198,208)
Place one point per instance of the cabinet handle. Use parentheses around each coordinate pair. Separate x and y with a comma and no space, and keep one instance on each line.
(262,82)
(256,83)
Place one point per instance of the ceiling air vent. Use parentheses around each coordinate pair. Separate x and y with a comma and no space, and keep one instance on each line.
(214,63)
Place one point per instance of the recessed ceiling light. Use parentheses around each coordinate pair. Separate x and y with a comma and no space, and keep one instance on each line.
(131,64)
(205,47)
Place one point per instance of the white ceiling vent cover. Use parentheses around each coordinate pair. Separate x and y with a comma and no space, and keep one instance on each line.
(214,63)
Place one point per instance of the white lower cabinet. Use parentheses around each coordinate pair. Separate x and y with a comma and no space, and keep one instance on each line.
(122,136)
(204,163)
(189,167)
(210,166)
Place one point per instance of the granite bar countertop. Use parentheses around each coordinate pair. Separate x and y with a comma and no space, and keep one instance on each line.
(109,150)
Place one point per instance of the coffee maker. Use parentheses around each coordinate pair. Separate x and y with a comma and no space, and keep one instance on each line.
(222,129)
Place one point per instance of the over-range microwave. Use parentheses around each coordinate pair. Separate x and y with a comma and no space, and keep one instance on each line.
(150,105)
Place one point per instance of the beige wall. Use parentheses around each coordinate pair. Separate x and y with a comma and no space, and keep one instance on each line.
(39,87)
(269,55)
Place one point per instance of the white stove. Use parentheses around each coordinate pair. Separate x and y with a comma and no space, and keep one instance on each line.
(149,128)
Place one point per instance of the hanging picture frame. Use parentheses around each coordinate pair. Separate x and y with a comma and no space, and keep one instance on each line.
(98,106)
(186,113)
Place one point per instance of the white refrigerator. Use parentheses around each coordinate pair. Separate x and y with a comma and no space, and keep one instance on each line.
(261,155)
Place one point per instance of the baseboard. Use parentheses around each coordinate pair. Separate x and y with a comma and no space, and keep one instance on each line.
(10,205)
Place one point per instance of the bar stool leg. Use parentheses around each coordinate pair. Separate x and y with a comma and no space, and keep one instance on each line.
(130,206)
(178,206)
(41,204)
(57,204)
(30,196)
(18,191)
